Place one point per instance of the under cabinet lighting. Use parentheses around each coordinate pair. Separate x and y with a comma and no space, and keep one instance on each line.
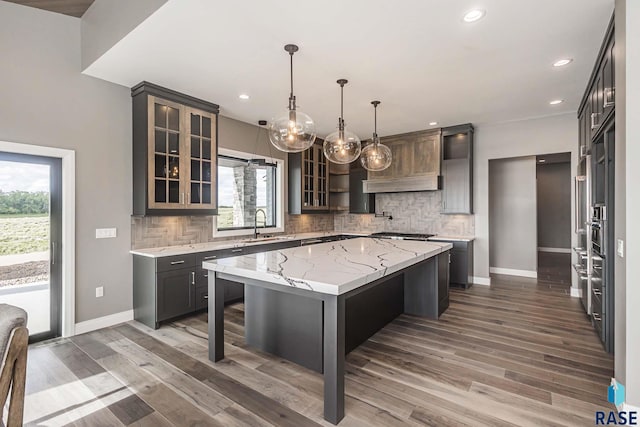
(433,123)
(243,96)
(556,102)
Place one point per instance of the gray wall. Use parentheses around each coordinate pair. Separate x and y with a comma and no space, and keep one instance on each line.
(46,101)
(512,214)
(627,293)
(554,205)
(513,139)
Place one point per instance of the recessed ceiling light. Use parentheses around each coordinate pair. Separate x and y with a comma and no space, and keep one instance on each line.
(243,96)
(473,15)
(433,123)
(556,102)
(563,62)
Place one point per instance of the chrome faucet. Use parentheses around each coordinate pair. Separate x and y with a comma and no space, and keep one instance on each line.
(255,222)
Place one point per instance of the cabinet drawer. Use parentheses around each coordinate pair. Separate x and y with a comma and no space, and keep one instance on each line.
(207,256)
(175,262)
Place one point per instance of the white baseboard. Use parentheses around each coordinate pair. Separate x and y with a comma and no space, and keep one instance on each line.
(103,322)
(483,281)
(512,272)
(576,292)
(555,250)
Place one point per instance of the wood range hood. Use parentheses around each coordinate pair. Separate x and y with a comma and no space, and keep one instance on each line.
(415,164)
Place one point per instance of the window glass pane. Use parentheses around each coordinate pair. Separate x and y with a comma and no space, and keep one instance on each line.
(161,191)
(195,192)
(161,115)
(161,166)
(195,147)
(206,171)
(174,144)
(174,191)
(161,141)
(246,193)
(174,167)
(206,193)
(206,149)
(174,120)
(195,170)
(195,124)
(206,127)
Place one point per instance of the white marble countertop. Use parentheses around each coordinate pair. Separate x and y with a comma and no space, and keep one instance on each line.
(227,244)
(333,267)
(452,238)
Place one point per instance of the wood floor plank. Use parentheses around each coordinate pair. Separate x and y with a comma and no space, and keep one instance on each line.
(518,353)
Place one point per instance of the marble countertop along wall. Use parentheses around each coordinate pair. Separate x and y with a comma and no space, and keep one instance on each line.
(333,267)
(228,244)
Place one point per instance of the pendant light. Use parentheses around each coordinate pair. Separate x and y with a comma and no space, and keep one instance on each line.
(294,131)
(342,146)
(375,156)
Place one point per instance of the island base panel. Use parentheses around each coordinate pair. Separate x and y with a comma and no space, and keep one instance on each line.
(216,319)
(287,325)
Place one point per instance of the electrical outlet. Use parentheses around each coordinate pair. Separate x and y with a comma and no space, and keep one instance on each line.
(620,249)
(106,233)
(99,292)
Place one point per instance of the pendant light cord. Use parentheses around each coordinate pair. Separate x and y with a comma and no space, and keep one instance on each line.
(292,98)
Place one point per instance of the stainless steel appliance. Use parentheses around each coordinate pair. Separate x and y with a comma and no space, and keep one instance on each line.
(583,230)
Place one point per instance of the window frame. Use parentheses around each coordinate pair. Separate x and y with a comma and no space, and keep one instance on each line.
(279,196)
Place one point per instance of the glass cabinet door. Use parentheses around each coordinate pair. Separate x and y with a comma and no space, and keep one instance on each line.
(308,178)
(201,180)
(322,195)
(165,148)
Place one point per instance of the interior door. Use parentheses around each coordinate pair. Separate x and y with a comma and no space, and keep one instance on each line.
(30,240)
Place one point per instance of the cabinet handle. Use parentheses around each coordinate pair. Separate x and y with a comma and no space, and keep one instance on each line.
(177,262)
(53,253)
(597,292)
(210,257)
(182,198)
(236,250)
(594,123)
(206,275)
(609,97)
(597,316)
(206,297)
(193,277)
(189,197)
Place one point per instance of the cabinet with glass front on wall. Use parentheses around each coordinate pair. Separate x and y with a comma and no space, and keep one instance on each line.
(174,153)
(309,181)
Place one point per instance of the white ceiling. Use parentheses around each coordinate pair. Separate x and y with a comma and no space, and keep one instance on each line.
(417,56)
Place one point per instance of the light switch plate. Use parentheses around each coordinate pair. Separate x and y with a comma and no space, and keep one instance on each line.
(620,249)
(106,233)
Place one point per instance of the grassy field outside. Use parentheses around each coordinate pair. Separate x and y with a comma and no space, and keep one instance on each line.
(23,234)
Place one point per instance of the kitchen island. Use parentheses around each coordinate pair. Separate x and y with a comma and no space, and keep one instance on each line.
(314,304)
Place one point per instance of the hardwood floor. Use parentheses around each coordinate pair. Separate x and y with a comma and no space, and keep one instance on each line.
(519,353)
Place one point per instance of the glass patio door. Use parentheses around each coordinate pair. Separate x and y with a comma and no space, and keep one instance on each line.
(30,236)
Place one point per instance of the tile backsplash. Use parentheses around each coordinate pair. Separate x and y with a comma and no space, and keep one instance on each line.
(412,212)
(158,231)
(417,212)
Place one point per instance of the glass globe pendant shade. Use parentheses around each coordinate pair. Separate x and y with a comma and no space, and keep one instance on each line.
(293,132)
(375,157)
(342,146)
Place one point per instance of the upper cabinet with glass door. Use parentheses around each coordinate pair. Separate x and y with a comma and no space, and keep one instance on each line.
(175,151)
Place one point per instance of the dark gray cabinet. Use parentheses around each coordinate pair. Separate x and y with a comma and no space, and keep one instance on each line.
(444,261)
(172,286)
(457,169)
(176,293)
(461,268)
(359,201)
